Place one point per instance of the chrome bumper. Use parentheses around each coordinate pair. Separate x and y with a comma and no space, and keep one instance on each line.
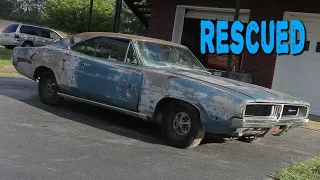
(242,123)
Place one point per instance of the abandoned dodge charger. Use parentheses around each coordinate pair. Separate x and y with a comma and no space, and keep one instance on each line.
(160,82)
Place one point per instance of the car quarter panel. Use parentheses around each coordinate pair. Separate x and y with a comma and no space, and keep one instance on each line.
(217,106)
(62,62)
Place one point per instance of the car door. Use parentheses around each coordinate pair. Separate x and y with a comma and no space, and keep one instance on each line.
(128,80)
(107,78)
(43,37)
(29,33)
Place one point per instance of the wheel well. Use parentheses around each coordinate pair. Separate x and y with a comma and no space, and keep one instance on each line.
(41,70)
(166,101)
(28,42)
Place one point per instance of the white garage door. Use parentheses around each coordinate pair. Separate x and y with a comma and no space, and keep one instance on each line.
(299,76)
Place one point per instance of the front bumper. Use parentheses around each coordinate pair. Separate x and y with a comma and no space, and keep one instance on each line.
(243,123)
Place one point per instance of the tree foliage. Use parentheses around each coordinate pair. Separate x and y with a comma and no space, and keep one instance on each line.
(27,11)
(71,16)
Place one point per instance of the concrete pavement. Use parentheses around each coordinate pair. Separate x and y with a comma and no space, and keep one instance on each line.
(79,141)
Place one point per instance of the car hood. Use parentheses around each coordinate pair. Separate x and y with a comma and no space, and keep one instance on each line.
(258,93)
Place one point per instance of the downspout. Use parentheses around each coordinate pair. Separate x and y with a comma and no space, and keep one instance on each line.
(117,16)
(90,15)
(236,17)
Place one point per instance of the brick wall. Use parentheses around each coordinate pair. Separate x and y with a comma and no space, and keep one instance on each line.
(261,66)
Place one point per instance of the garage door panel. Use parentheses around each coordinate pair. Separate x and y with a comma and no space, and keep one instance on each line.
(314,104)
(297,80)
(299,76)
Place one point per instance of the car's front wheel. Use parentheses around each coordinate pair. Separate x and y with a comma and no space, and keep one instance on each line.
(181,126)
(48,90)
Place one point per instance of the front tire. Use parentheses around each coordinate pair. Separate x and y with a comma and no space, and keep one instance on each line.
(48,90)
(181,126)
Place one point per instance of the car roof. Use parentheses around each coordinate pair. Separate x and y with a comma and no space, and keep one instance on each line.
(88,35)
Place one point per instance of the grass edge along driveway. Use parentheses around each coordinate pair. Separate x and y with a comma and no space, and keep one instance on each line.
(303,170)
(6,67)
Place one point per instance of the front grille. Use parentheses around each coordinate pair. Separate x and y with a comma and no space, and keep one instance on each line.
(276,111)
(258,110)
(290,110)
(294,111)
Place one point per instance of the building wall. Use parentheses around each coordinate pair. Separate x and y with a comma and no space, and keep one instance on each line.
(261,66)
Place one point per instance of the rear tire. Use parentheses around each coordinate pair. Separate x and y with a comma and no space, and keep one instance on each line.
(175,128)
(9,47)
(48,90)
(27,44)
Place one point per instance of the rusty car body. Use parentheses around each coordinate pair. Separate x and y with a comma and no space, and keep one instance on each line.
(157,81)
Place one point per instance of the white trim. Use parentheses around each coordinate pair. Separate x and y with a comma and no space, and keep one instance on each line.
(223,13)
(287,15)
(312,33)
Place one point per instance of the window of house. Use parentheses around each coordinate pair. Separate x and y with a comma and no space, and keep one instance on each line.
(87,47)
(318,47)
(112,49)
(306,46)
(29,30)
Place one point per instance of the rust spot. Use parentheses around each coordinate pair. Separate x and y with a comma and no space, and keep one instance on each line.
(275,129)
(24,60)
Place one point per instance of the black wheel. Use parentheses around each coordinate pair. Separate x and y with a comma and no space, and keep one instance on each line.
(27,44)
(250,139)
(181,126)
(48,90)
(9,47)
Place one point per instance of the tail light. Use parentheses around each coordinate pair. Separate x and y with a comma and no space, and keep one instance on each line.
(16,36)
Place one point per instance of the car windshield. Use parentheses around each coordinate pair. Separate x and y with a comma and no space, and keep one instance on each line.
(162,55)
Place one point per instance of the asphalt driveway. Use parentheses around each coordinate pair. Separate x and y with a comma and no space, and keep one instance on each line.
(79,141)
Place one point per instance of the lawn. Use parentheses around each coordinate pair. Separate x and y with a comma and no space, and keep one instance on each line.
(6,68)
(308,169)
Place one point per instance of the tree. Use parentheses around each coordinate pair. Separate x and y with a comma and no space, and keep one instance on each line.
(129,23)
(72,15)
(6,8)
(27,11)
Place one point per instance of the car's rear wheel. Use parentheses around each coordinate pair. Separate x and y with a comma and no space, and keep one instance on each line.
(9,47)
(27,44)
(48,90)
(181,126)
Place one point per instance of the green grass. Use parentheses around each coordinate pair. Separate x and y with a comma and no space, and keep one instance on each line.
(304,170)
(6,68)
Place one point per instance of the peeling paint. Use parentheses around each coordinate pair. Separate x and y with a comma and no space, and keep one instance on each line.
(140,89)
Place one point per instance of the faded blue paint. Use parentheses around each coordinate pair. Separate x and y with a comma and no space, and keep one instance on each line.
(140,89)
(109,82)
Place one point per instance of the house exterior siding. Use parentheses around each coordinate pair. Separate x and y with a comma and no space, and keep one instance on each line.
(261,66)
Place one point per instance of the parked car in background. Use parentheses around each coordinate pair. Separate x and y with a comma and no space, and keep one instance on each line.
(23,35)
(157,81)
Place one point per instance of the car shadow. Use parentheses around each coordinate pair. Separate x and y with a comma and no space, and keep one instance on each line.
(90,115)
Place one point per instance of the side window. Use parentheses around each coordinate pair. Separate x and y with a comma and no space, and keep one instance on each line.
(131,56)
(87,47)
(29,30)
(54,35)
(43,33)
(112,49)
